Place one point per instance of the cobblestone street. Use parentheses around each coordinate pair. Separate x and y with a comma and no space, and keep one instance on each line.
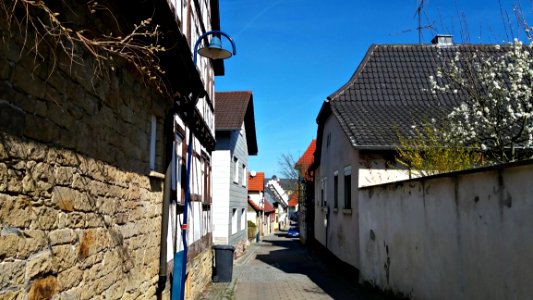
(281,268)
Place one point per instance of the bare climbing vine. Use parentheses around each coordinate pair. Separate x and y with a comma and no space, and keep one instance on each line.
(41,27)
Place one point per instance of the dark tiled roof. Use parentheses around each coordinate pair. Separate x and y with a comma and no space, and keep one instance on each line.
(230,109)
(234,108)
(390,92)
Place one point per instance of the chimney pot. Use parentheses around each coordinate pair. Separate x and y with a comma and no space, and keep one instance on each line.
(443,40)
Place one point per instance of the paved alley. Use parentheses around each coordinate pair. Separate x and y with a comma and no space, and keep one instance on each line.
(281,268)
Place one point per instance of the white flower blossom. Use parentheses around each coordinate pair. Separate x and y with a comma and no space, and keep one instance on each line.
(500,111)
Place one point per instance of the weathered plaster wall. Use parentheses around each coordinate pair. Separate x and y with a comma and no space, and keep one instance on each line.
(341,235)
(459,236)
(79,217)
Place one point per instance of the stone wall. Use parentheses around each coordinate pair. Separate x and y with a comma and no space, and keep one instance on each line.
(79,217)
(199,273)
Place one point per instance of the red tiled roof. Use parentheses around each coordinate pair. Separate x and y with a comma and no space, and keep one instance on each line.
(253,205)
(308,157)
(268,206)
(256,183)
(293,201)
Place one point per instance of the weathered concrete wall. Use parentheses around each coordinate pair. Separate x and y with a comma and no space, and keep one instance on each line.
(79,217)
(464,235)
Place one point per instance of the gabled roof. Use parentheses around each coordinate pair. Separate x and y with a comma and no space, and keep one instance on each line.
(294,200)
(268,207)
(253,205)
(257,182)
(306,160)
(232,109)
(390,92)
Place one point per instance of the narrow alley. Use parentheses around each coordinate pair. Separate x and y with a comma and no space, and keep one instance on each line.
(281,268)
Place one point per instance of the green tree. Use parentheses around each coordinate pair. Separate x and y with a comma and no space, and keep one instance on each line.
(430,151)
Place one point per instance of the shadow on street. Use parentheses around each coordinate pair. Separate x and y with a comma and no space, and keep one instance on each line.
(289,256)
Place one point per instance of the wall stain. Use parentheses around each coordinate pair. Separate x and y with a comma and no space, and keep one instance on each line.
(387,263)
(43,289)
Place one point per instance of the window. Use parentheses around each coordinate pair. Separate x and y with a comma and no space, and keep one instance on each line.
(336,189)
(236,170)
(323,191)
(348,187)
(244,177)
(234,221)
(243,219)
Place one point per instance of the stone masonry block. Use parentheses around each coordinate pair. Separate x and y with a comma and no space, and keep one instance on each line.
(69,278)
(16,211)
(71,220)
(65,256)
(23,79)
(12,119)
(13,294)
(62,236)
(12,274)
(46,218)
(68,199)
(40,129)
(40,263)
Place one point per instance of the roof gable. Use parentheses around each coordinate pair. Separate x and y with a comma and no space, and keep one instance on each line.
(307,158)
(232,110)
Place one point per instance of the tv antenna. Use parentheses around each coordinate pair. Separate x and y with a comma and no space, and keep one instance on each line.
(418,14)
(420,27)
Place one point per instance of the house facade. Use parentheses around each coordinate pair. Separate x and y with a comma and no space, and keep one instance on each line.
(306,193)
(279,198)
(358,126)
(259,204)
(236,141)
(92,167)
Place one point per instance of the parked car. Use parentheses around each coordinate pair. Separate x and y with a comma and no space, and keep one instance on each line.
(293,232)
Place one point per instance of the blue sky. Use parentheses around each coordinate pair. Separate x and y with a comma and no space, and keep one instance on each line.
(292,54)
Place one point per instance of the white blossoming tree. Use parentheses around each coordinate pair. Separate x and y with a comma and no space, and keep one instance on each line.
(497,113)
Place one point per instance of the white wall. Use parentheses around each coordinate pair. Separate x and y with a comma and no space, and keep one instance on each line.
(460,236)
(374,169)
(342,226)
(221,191)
